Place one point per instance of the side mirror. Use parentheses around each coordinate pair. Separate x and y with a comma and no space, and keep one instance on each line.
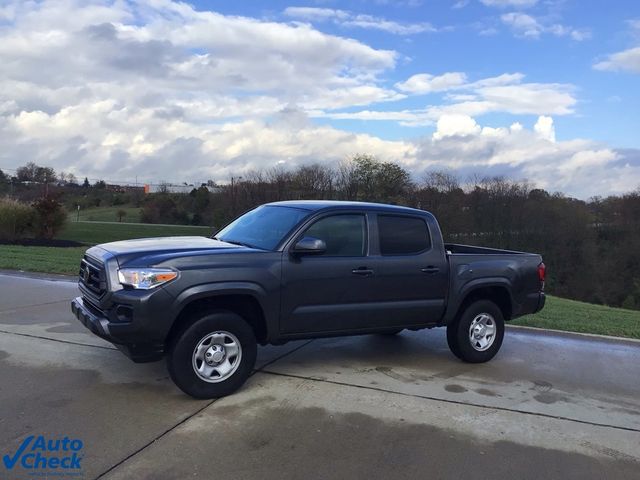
(309,246)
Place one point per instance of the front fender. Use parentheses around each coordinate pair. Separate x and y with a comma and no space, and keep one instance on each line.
(208,290)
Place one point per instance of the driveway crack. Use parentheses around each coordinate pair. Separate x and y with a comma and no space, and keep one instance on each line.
(457,402)
(189,417)
(28,335)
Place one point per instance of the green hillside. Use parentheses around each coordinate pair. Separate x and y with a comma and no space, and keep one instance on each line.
(67,260)
(572,316)
(106,214)
(93,233)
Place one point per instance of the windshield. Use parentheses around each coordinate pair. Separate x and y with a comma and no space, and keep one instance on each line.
(264,227)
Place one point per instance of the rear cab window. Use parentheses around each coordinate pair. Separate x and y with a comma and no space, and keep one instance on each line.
(402,235)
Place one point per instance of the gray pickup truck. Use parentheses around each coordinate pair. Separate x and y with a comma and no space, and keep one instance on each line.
(299,269)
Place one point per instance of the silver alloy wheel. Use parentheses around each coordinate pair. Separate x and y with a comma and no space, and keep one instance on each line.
(482,332)
(217,356)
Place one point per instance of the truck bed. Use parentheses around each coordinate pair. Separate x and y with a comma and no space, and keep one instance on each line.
(515,272)
(455,248)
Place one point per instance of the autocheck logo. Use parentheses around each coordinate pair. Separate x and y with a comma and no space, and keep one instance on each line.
(39,454)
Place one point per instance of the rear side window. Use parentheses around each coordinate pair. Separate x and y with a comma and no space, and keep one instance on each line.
(402,235)
(344,235)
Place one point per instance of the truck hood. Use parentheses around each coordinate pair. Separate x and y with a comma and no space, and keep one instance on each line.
(166,245)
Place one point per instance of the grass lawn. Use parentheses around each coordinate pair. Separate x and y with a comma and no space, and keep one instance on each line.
(67,260)
(41,259)
(572,316)
(94,233)
(106,214)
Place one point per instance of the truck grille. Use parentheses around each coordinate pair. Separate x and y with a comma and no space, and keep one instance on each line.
(92,277)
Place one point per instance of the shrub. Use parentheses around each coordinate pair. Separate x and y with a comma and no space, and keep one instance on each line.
(16,219)
(50,217)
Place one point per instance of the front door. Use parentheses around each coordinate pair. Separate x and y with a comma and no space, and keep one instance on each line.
(332,291)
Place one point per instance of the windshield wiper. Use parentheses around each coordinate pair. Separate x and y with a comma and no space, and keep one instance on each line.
(236,242)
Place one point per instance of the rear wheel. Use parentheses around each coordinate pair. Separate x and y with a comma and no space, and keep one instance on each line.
(477,335)
(213,356)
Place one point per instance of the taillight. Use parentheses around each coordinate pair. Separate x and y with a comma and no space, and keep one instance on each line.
(542,272)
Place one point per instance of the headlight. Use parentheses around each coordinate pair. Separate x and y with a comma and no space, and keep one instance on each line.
(145,278)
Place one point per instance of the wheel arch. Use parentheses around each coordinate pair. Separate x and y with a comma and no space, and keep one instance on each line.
(496,292)
(241,300)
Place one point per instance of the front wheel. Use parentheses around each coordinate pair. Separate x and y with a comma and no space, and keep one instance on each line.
(476,336)
(213,356)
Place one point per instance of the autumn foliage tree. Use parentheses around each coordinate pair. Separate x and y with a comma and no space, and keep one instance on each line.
(50,217)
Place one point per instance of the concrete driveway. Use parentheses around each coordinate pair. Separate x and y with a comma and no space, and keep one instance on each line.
(547,406)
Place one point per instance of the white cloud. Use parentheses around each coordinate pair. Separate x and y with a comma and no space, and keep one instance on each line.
(504,79)
(115,142)
(163,91)
(578,167)
(153,85)
(316,13)
(545,129)
(455,126)
(529,98)
(460,4)
(488,31)
(426,83)
(104,140)
(349,19)
(528,26)
(171,52)
(503,93)
(627,60)
(509,3)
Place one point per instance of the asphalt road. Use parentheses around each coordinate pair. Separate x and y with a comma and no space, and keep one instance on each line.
(547,406)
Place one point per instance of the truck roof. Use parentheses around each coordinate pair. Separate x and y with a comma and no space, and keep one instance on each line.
(314,205)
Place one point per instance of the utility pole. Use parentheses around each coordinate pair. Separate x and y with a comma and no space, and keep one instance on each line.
(233,195)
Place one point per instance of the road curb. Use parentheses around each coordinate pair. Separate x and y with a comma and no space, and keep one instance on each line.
(576,335)
(53,277)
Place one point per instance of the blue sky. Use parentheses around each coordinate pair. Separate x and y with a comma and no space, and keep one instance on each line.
(542,90)
(470,37)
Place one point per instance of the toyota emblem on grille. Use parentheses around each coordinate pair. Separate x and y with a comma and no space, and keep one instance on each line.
(85,275)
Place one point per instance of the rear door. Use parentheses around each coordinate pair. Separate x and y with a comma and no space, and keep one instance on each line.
(411,274)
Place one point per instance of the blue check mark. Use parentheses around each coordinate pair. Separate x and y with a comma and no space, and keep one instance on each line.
(10,462)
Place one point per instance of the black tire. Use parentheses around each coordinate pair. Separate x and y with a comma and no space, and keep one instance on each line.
(452,332)
(180,358)
(458,333)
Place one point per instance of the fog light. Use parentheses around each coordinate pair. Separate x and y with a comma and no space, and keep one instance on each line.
(124,313)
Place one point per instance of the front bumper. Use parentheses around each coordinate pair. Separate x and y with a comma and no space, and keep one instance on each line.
(125,337)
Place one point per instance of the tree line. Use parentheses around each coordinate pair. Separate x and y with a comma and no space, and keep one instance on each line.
(591,248)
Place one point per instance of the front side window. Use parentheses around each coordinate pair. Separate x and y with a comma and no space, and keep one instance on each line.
(345,235)
(402,235)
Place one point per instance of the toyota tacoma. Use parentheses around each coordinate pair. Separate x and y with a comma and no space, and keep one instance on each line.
(299,269)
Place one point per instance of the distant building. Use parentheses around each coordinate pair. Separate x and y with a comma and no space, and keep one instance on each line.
(123,188)
(170,188)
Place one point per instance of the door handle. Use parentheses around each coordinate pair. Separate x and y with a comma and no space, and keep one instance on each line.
(363,271)
(430,270)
